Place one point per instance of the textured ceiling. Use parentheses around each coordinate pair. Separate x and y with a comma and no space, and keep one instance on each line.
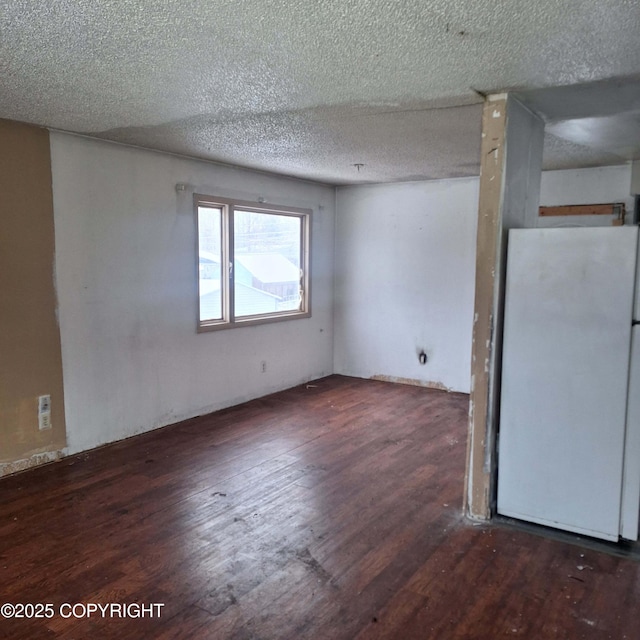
(309,89)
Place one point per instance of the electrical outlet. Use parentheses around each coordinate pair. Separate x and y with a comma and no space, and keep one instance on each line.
(44,404)
(44,412)
(263,366)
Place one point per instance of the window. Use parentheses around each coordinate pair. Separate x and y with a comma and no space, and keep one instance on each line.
(253,263)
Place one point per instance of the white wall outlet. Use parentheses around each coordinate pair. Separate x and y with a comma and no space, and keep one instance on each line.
(44,412)
(44,404)
(44,421)
(263,366)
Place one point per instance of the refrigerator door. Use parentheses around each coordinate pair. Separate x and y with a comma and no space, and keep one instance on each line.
(567,332)
(631,470)
(631,473)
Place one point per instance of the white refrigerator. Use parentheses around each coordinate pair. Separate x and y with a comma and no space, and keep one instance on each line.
(569,434)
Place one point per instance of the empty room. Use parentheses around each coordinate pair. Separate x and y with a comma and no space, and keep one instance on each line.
(319,320)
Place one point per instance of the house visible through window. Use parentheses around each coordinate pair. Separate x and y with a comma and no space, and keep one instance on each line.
(253,263)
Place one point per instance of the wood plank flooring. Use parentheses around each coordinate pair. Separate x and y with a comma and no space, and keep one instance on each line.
(332,510)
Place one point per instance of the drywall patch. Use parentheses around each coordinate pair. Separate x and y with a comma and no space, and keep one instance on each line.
(412,381)
(37,459)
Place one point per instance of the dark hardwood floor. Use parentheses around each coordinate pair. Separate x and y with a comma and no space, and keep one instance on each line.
(332,510)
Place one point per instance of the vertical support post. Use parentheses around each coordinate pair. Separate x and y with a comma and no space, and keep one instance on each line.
(510,170)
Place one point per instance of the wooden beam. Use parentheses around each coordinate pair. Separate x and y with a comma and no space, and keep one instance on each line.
(509,198)
(610,209)
(478,476)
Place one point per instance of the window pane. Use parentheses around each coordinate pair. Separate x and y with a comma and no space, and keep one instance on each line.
(267,258)
(210,262)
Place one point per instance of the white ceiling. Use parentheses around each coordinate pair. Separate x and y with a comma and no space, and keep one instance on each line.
(311,88)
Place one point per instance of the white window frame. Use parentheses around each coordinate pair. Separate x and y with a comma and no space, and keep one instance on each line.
(227,208)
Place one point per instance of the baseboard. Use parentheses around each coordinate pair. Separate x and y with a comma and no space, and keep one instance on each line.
(35,460)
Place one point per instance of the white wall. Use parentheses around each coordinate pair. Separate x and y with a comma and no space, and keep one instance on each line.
(125,243)
(125,271)
(405,270)
(405,274)
(520,199)
(585,186)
